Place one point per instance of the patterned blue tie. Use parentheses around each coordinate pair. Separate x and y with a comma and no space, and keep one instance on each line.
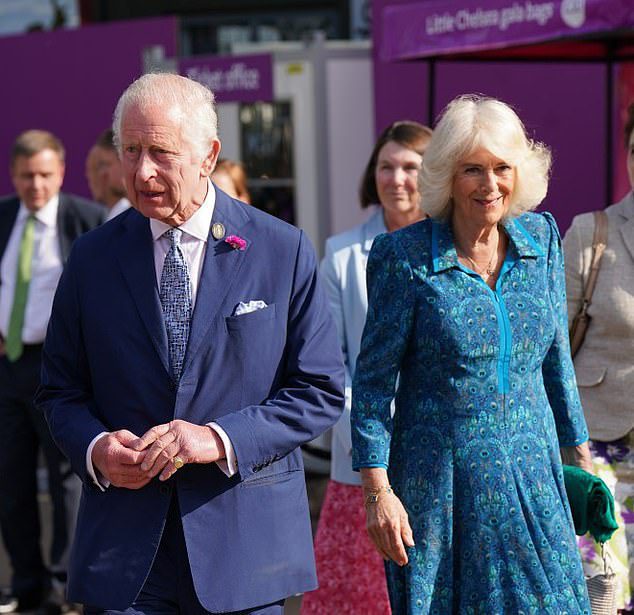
(176,300)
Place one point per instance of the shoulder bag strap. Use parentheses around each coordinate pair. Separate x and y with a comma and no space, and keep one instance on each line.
(599,243)
(581,320)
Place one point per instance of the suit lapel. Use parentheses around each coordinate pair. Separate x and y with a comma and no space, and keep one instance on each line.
(374,226)
(627,229)
(221,267)
(62,228)
(8,216)
(135,254)
(627,233)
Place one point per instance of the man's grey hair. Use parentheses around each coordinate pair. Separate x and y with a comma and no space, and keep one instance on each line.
(468,123)
(191,103)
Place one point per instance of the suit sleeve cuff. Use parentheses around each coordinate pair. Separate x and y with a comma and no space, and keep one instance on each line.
(229,465)
(101,483)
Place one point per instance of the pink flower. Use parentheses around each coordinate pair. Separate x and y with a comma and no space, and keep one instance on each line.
(237,243)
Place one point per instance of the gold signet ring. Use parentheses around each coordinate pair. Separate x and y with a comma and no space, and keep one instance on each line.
(178,463)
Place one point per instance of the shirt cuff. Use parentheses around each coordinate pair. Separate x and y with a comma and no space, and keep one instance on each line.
(101,483)
(229,465)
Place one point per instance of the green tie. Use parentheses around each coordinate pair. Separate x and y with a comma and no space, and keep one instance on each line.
(13,344)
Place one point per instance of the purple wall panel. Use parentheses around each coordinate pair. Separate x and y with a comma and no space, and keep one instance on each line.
(562,105)
(623,98)
(400,88)
(69,81)
(401,92)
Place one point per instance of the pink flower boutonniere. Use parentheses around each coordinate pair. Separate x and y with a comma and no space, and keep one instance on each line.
(237,243)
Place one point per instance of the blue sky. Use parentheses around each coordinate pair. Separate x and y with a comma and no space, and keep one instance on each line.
(17,15)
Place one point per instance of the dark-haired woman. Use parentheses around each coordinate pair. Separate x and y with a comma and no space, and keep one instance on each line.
(350,571)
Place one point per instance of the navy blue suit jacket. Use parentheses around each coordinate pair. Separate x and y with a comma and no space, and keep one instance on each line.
(272,379)
(75,216)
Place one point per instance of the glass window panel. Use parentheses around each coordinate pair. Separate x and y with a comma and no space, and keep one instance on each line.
(266,136)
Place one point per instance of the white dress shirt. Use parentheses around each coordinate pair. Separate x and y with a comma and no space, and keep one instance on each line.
(193,246)
(118,208)
(46,270)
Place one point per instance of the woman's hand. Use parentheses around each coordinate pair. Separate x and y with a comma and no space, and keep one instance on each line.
(386,518)
(579,456)
(389,528)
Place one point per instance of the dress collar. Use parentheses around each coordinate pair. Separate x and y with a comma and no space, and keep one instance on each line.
(444,255)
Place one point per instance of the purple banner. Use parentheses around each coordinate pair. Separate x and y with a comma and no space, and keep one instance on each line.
(69,81)
(450,26)
(233,78)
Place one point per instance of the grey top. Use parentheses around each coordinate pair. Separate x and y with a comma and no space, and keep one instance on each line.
(604,365)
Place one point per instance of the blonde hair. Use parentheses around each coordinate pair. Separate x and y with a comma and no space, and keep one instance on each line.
(235,171)
(470,122)
(191,102)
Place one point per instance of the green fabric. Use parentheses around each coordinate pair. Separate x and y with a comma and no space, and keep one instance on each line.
(13,345)
(591,502)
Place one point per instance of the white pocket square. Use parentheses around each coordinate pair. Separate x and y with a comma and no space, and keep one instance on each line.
(252,306)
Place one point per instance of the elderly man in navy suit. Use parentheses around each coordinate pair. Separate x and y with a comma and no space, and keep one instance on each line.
(37,228)
(190,352)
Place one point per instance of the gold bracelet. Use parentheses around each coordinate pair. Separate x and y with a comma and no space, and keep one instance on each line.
(372,495)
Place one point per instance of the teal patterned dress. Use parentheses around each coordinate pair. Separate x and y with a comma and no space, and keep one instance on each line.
(486,397)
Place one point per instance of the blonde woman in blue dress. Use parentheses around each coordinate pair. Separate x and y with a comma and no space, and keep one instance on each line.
(464,488)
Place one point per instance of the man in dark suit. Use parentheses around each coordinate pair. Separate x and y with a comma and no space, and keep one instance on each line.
(37,228)
(191,351)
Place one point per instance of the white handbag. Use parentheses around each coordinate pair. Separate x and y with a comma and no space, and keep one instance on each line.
(602,588)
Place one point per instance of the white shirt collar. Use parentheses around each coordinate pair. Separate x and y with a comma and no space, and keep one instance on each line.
(47,215)
(118,208)
(121,203)
(198,225)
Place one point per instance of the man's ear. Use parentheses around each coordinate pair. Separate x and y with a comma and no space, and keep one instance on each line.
(209,163)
